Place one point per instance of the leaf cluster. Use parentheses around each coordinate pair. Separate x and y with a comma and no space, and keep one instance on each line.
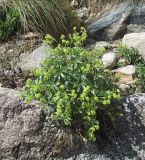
(130,54)
(74,84)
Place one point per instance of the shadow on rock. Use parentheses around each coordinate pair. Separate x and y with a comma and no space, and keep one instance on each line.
(128,139)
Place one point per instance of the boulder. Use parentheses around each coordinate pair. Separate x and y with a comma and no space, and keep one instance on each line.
(112,25)
(109,60)
(33,60)
(27,132)
(124,18)
(136,40)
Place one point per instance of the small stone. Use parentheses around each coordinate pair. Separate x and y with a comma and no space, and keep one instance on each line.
(17,70)
(109,60)
(82,13)
(123,62)
(74,3)
(30,35)
(127,89)
(9,73)
(10,51)
(127,74)
(127,70)
(102,44)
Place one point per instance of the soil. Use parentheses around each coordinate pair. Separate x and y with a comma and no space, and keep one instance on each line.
(11,76)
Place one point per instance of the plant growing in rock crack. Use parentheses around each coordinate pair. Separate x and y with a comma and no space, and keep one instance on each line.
(130,54)
(74,83)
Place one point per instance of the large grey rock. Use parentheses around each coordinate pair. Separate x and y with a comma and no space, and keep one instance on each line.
(118,21)
(33,60)
(26,132)
(136,40)
(112,24)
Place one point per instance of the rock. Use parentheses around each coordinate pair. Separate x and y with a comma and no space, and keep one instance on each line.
(74,3)
(123,62)
(127,81)
(127,74)
(109,60)
(82,13)
(127,89)
(102,44)
(129,141)
(124,18)
(27,132)
(111,25)
(30,35)
(136,40)
(33,60)
(127,70)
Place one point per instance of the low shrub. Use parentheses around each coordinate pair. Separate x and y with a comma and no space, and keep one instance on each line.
(130,54)
(75,85)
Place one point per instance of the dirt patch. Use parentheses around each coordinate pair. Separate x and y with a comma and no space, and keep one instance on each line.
(11,76)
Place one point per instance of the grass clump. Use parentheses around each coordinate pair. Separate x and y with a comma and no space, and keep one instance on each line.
(75,85)
(41,16)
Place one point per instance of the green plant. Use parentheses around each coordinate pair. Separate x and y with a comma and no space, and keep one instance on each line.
(42,16)
(9,24)
(130,54)
(140,69)
(74,83)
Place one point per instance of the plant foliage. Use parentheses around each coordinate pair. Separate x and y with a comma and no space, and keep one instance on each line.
(9,24)
(74,83)
(132,55)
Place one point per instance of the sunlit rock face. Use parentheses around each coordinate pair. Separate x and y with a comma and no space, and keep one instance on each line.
(136,40)
(124,18)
